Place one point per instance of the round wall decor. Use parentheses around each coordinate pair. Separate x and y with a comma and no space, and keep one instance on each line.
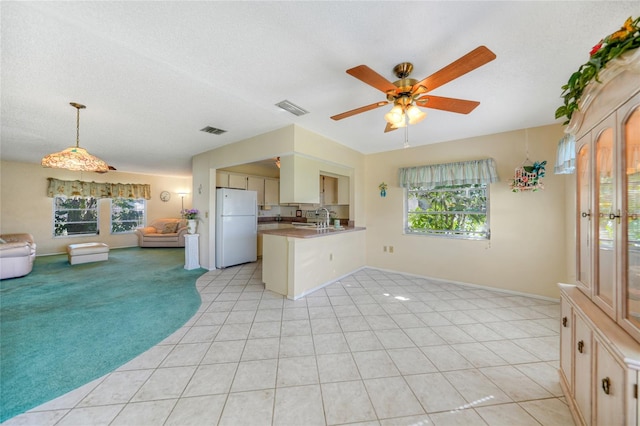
(165,196)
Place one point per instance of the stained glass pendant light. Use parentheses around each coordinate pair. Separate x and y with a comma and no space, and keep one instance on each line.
(75,158)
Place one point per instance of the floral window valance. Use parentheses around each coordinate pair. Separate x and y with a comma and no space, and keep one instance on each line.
(449,174)
(566,156)
(77,188)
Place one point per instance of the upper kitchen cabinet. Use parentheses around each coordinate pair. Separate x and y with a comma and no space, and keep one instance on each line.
(343,190)
(222,179)
(271,192)
(237,181)
(328,190)
(301,181)
(230,180)
(256,183)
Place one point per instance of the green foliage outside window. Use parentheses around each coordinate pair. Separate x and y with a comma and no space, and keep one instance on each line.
(127,214)
(456,211)
(75,216)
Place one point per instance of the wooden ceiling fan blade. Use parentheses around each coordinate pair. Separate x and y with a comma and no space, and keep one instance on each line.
(461,106)
(372,78)
(472,60)
(389,128)
(359,110)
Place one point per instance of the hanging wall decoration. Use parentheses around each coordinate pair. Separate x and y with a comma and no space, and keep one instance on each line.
(383,189)
(528,176)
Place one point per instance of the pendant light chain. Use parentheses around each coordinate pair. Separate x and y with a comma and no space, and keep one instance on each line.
(77,127)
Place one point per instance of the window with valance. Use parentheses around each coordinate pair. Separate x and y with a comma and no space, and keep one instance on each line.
(566,156)
(449,200)
(475,172)
(77,188)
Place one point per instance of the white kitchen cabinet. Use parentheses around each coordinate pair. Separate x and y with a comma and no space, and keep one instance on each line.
(343,190)
(271,192)
(230,180)
(222,179)
(256,183)
(299,180)
(296,266)
(237,181)
(329,190)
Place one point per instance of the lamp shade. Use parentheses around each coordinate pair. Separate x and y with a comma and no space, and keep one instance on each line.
(415,114)
(76,159)
(395,116)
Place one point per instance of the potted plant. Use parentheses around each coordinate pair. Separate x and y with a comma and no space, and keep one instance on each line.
(609,48)
(192,216)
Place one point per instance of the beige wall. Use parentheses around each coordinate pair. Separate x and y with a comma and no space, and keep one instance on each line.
(25,207)
(531,248)
(528,250)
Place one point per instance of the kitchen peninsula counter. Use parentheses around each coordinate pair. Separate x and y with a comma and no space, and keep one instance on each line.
(298,261)
(310,231)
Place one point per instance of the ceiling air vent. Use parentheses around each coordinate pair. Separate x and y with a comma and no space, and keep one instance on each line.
(213,130)
(292,108)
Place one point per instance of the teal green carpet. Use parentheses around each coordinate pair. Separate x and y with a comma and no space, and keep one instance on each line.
(62,326)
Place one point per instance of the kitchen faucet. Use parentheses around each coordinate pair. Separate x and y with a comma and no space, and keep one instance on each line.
(327,219)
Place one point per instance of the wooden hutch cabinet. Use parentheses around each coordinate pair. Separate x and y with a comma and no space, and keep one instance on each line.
(600,324)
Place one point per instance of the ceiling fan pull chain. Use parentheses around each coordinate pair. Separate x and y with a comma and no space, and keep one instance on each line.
(406,131)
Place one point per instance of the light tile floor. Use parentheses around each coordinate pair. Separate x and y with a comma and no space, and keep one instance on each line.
(375,348)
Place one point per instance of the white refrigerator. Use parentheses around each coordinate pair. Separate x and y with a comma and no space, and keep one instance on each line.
(236,227)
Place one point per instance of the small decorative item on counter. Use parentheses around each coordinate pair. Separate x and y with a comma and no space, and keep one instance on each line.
(528,177)
(383,189)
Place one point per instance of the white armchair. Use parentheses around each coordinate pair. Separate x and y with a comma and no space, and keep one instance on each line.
(17,254)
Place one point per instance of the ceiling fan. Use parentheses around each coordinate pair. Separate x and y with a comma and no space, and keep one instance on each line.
(407,94)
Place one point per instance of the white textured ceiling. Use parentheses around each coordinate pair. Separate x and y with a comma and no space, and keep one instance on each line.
(152,74)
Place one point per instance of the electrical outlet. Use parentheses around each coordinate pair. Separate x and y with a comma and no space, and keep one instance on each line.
(390,249)
(330,256)
(384,249)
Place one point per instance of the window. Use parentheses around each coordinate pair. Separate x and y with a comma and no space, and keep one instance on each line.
(453,211)
(127,214)
(75,216)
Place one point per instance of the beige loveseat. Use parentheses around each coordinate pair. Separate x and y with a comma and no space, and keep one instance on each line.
(163,233)
(17,254)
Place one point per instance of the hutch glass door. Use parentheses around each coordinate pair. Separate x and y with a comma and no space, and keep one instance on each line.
(583,175)
(606,232)
(631,136)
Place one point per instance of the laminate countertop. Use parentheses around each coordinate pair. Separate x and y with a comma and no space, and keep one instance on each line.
(311,232)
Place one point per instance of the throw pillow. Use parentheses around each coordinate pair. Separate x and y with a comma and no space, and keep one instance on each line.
(169,228)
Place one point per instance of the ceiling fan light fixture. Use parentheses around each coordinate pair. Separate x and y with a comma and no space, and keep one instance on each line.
(75,158)
(395,116)
(399,124)
(415,115)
